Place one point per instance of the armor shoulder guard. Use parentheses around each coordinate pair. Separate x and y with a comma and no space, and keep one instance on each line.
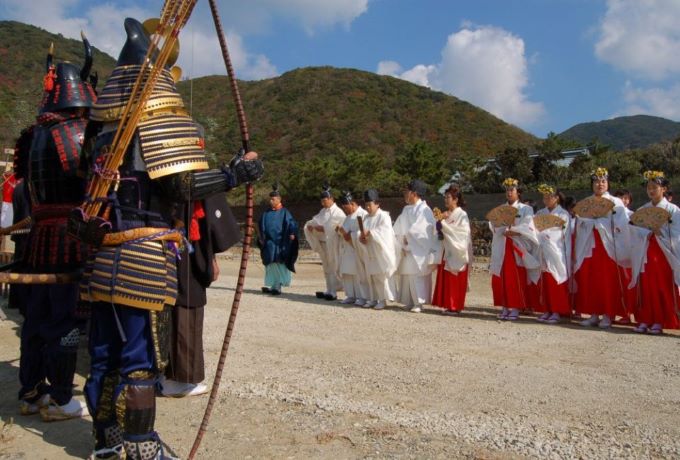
(68,140)
(171,143)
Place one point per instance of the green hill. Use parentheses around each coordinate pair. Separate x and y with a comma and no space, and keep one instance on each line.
(302,113)
(625,133)
(23,50)
(314,111)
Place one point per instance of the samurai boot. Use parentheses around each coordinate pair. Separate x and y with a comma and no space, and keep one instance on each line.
(109,443)
(136,414)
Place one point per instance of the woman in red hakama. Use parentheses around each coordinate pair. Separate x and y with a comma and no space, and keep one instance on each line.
(600,254)
(658,296)
(452,274)
(512,250)
(555,253)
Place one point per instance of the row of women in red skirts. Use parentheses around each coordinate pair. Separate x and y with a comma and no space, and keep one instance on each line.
(604,267)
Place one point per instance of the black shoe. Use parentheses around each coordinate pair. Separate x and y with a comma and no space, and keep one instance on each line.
(330,297)
(320,295)
(266,290)
(275,292)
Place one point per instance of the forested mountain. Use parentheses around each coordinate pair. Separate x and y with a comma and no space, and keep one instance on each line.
(23,51)
(625,133)
(309,116)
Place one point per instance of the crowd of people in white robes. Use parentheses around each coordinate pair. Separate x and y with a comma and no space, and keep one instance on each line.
(555,264)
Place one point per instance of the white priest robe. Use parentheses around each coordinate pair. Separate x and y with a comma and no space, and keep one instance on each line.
(378,255)
(351,268)
(326,243)
(414,231)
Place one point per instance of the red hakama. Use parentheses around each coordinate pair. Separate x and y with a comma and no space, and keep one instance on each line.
(510,289)
(554,297)
(450,289)
(657,290)
(600,284)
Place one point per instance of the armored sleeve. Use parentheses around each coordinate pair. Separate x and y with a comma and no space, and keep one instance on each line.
(198,185)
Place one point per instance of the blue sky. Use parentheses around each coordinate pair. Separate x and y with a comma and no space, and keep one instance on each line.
(543,65)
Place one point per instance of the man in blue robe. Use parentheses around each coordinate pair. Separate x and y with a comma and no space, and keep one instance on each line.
(278,242)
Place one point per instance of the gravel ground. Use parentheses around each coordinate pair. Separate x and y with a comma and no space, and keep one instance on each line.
(306,379)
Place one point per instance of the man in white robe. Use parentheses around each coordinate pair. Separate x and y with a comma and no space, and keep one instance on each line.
(351,269)
(322,237)
(414,230)
(376,248)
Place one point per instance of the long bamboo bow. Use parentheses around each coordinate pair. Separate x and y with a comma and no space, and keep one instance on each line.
(245,139)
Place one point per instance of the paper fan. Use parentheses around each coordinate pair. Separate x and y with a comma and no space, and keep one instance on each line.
(652,218)
(502,216)
(544,221)
(438,214)
(593,207)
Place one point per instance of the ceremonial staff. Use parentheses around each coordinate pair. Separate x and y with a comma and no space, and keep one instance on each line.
(245,139)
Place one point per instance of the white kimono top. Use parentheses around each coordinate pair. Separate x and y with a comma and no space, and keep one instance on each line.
(668,239)
(349,262)
(326,243)
(555,246)
(415,225)
(614,231)
(526,243)
(379,254)
(457,242)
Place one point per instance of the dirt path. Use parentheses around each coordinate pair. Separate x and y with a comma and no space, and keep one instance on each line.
(306,379)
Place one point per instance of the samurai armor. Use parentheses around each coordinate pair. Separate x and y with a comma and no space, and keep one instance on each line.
(135,274)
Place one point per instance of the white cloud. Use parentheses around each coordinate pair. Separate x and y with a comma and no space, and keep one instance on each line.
(641,37)
(391,68)
(102,21)
(661,102)
(486,66)
(315,13)
(206,57)
(103,24)
(46,14)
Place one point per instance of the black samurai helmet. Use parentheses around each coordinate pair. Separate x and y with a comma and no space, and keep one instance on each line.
(65,85)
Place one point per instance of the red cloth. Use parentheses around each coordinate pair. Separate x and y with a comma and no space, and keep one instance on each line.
(194,229)
(450,289)
(601,284)
(10,182)
(554,298)
(510,289)
(658,297)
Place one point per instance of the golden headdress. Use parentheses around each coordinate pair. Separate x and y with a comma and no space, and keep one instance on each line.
(546,189)
(599,173)
(509,183)
(654,176)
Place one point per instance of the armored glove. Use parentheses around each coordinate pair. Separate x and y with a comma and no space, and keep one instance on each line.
(242,171)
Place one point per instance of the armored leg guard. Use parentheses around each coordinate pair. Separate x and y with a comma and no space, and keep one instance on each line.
(108,434)
(136,414)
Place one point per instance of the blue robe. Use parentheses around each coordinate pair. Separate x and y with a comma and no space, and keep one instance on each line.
(275,228)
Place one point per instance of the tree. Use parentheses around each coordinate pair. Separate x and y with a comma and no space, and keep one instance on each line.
(549,151)
(515,162)
(422,161)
